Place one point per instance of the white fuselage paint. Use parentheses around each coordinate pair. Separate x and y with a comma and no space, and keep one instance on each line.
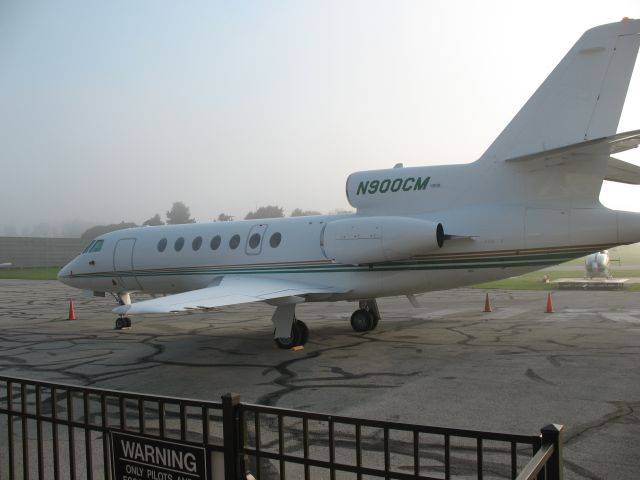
(530,201)
(491,239)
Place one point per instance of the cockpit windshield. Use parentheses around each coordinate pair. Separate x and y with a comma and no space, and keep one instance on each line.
(97,246)
(94,246)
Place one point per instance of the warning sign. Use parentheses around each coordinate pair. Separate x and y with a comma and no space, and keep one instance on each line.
(135,457)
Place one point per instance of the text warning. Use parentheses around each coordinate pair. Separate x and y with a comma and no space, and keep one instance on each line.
(142,458)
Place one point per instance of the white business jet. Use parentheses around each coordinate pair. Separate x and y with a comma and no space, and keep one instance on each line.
(530,201)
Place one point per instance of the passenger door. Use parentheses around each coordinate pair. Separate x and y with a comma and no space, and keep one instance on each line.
(123,264)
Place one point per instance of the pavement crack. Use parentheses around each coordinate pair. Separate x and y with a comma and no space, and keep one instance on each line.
(537,378)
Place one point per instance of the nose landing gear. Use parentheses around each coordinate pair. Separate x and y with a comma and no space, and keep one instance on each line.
(123,298)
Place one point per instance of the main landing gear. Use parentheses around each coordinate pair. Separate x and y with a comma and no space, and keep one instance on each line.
(290,332)
(123,322)
(299,336)
(366,317)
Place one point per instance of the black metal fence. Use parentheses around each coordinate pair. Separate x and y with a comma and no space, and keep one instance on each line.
(56,431)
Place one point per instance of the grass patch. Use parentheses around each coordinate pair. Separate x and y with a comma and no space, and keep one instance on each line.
(533,280)
(622,255)
(36,273)
(528,281)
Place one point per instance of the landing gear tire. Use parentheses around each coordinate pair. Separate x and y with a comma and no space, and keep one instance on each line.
(122,322)
(304,332)
(299,336)
(362,321)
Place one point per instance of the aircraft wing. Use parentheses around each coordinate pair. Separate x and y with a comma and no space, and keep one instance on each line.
(227,290)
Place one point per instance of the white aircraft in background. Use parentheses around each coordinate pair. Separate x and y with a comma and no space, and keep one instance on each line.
(530,201)
(597,265)
(6,265)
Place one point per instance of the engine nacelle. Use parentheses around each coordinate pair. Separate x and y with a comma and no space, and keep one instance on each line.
(358,241)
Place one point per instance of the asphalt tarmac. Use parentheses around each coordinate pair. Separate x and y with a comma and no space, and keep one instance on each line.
(447,363)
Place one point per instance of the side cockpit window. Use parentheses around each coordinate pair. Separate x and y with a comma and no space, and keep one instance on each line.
(93,247)
(96,246)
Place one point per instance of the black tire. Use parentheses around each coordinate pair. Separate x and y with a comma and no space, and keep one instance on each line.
(304,332)
(127,322)
(299,334)
(120,323)
(361,320)
(284,343)
(374,322)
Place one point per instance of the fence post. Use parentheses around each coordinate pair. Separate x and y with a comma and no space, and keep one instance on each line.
(230,402)
(553,434)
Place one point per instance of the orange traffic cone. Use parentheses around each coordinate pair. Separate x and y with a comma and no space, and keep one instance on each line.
(72,311)
(549,304)
(487,305)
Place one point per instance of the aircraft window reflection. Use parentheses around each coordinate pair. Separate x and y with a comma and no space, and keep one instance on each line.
(179,244)
(197,243)
(97,246)
(234,242)
(162,244)
(254,241)
(275,239)
(215,242)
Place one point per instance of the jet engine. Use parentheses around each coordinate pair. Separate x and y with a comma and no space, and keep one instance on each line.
(367,240)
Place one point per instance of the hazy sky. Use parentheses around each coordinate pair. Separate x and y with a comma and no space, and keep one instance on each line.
(112,110)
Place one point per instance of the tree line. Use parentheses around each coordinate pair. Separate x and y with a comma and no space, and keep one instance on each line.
(180,214)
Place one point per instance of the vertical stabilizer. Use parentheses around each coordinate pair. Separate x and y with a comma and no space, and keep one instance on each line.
(580,100)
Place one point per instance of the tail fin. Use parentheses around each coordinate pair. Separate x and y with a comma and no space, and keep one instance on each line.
(580,100)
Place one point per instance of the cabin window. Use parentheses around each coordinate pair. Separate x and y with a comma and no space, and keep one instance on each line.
(162,244)
(179,244)
(234,242)
(275,239)
(197,243)
(96,247)
(215,242)
(254,241)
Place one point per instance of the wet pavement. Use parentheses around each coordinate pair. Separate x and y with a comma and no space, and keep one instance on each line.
(447,363)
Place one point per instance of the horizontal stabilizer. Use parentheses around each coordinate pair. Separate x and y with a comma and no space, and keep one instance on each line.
(605,147)
(622,172)
(229,290)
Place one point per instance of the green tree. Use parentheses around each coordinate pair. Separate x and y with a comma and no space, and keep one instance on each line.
(340,211)
(223,217)
(270,211)
(179,214)
(154,221)
(298,212)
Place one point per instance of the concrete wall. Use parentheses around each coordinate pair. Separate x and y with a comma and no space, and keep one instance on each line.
(39,252)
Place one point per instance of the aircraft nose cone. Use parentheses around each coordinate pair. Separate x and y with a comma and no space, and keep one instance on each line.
(64,273)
